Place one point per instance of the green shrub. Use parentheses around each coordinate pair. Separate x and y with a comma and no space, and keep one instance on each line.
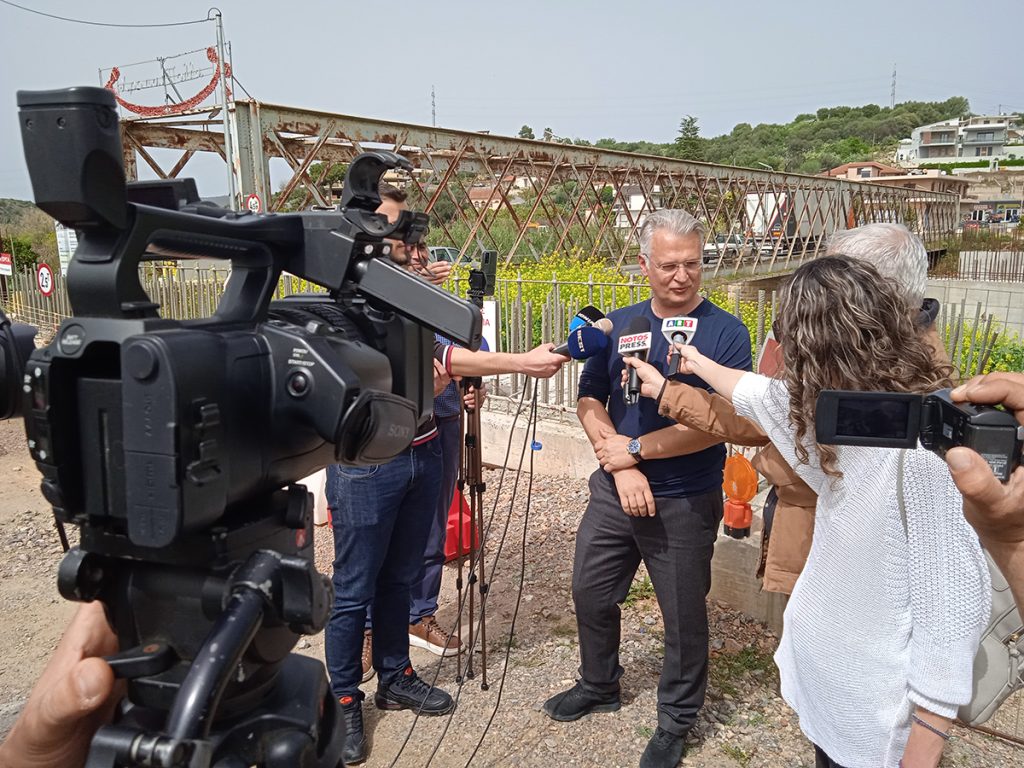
(1007,354)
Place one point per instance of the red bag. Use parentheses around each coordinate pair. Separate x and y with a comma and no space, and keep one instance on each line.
(451,542)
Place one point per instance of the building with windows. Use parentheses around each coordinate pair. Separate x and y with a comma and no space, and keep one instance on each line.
(969,139)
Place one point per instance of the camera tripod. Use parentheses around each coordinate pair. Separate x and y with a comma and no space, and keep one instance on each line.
(472,486)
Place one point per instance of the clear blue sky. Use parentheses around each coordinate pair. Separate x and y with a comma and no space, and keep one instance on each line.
(628,70)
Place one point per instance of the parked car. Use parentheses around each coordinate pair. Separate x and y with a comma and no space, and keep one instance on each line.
(729,246)
(444,253)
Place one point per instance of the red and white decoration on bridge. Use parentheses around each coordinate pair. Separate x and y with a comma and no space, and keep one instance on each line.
(181,106)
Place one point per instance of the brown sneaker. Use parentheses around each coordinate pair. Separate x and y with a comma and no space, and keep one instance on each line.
(368,671)
(429,635)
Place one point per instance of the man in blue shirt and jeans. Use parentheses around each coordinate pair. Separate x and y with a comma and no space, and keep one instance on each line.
(663,509)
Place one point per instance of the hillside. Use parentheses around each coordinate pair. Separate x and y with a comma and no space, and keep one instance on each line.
(811,143)
(12,211)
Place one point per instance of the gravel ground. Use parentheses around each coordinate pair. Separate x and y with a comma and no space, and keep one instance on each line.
(744,723)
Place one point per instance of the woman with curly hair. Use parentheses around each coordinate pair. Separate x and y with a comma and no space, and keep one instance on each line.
(881,631)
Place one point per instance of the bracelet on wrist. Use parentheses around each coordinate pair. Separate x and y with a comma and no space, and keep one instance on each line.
(661,392)
(925,724)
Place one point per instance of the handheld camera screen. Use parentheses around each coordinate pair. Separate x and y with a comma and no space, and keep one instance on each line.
(857,418)
(883,419)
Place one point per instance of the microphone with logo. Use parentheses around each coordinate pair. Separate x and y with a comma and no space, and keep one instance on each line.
(677,330)
(586,340)
(635,341)
(589,315)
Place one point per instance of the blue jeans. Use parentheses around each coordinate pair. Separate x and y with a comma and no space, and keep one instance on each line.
(380,529)
(427,586)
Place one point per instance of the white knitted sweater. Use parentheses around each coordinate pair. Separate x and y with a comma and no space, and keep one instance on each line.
(879,621)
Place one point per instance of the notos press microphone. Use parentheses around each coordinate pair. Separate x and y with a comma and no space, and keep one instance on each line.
(589,315)
(635,341)
(585,337)
(677,330)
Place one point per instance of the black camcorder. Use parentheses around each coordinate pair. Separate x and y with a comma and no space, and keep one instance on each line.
(175,445)
(901,419)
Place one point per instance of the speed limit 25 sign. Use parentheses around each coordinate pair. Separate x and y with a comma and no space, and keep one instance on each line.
(44,279)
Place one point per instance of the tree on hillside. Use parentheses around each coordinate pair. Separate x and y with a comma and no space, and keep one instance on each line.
(25,258)
(526,132)
(688,144)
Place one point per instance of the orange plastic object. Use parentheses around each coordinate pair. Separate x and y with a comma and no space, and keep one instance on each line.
(740,486)
(458,512)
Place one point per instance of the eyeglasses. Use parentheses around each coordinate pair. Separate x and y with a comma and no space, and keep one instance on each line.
(691,267)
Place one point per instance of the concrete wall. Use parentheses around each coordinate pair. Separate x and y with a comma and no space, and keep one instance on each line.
(1004,301)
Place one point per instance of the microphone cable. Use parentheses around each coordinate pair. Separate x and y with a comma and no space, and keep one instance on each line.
(474,564)
(522,579)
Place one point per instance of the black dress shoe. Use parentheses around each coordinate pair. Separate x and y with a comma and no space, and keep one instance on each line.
(664,750)
(355,741)
(409,691)
(578,701)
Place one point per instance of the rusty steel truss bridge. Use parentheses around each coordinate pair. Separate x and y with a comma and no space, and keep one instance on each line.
(524,197)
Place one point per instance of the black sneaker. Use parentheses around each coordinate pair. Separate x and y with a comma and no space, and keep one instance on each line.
(578,701)
(410,692)
(664,750)
(355,741)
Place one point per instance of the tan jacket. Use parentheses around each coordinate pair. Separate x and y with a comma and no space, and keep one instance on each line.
(784,553)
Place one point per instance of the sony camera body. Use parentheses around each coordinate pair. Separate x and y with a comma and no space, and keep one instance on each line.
(901,420)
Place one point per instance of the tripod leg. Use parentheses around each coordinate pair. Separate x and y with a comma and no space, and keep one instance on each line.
(460,485)
(474,536)
(478,510)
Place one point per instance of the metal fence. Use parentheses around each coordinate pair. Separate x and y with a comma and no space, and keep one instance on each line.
(530,311)
(1006,266)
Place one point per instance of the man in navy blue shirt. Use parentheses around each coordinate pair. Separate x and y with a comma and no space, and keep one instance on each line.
(664,508)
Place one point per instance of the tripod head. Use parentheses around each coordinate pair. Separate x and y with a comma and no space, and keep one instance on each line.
(174,446)
(482,279)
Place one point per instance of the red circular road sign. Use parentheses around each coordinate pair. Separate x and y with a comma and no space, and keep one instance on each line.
(44,279)
(252,202)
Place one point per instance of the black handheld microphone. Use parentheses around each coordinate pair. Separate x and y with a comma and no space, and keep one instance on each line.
(635,341)
(589,315)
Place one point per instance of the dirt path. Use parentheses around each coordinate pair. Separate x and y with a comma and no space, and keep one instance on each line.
(744,724)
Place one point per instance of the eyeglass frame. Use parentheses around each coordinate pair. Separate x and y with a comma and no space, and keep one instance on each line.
(695,268)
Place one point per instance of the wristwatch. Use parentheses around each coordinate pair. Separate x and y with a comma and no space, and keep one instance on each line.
(633,449)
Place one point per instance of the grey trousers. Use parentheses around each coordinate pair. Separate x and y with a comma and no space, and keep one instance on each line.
(676,546)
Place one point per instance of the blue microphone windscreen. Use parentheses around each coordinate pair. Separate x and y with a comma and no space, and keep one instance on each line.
(577,322)
(586,342)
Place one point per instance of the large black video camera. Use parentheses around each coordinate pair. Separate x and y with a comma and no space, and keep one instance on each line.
(900,419)
(174,446)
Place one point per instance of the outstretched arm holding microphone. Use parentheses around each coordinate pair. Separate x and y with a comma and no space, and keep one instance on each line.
(652,384)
